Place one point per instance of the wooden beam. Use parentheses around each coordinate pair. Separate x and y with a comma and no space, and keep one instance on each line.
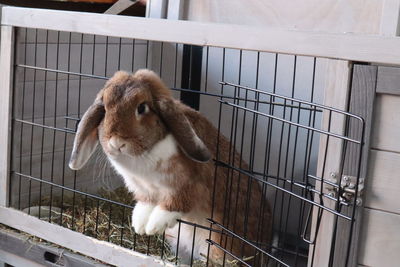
(75,241)
(353,47)
(6,80)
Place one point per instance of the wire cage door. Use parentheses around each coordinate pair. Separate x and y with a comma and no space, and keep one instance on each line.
(301,153)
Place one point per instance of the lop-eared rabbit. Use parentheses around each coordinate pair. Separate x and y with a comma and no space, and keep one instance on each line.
(163,149)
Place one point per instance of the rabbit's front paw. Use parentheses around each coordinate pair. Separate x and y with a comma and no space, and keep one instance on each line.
(140,216)
(160,219)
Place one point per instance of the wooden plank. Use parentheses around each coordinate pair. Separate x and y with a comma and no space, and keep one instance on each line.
(335,95)
(17,246)
(157,9)
(388,80)
(175,9)
(357,16)
(390,18)
(383,187)
(6,73)
(78,242)
(385,134)
(356,47)
(361,103)
(380,239)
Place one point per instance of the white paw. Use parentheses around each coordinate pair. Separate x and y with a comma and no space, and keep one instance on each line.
(140,216)
(161,219)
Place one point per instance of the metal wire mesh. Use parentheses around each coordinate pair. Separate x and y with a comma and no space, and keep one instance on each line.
(276,126)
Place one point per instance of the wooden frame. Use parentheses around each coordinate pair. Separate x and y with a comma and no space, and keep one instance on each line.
(361,103)
(6,80)
(353,47)
(336,95)
(89,246)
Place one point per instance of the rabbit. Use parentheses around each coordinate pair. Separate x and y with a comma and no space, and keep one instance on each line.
(163,149)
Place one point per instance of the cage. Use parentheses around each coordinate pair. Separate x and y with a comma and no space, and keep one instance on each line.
(303,141)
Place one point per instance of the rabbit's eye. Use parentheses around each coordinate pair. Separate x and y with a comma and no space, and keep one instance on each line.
(142,108)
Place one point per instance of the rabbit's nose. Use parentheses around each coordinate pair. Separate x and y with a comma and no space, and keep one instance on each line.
(116,143)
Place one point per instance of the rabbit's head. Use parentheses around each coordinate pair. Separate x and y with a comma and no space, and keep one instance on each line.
(129,116)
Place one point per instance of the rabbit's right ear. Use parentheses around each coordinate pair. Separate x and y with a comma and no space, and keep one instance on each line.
(86,138)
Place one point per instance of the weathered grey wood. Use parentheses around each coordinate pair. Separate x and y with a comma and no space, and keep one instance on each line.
(388,80)
(310,15)
(22,246)
(6,73)
(380,239)
(15,260)
(78,242)
(362,98)
(156,9)
(385,132)
(175,9)
(335,95)
(376,49)
(383,187)
(389,22)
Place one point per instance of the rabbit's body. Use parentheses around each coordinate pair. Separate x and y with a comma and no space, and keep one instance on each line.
(162,149)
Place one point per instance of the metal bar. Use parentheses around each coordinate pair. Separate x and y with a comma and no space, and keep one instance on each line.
(295,100)
(45,126)
(295,124)
(289,192)
(247,242)
(63,187)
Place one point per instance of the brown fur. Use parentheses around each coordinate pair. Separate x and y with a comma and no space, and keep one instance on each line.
(192,181)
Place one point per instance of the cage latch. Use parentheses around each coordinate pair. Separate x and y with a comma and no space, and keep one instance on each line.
(347,188)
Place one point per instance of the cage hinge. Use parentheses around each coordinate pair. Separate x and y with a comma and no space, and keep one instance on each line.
(347,188)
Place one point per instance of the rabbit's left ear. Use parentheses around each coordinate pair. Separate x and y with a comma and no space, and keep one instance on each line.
(86,138)
(182,130)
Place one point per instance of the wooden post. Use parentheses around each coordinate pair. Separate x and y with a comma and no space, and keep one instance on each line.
(360,98)
(361,103)
(335,95)
(175,9)
(6,82)
(156,9)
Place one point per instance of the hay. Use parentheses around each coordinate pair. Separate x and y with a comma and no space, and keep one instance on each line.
(108,222)
(103,220)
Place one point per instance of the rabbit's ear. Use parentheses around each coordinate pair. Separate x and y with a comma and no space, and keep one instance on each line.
(182,130)
(86,138)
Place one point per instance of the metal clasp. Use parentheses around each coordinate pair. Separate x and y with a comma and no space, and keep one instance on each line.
(346,189)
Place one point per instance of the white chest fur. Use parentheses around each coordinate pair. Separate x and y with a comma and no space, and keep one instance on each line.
(144,174)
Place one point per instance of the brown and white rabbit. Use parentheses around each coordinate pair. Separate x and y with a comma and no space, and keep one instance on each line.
(162,149)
